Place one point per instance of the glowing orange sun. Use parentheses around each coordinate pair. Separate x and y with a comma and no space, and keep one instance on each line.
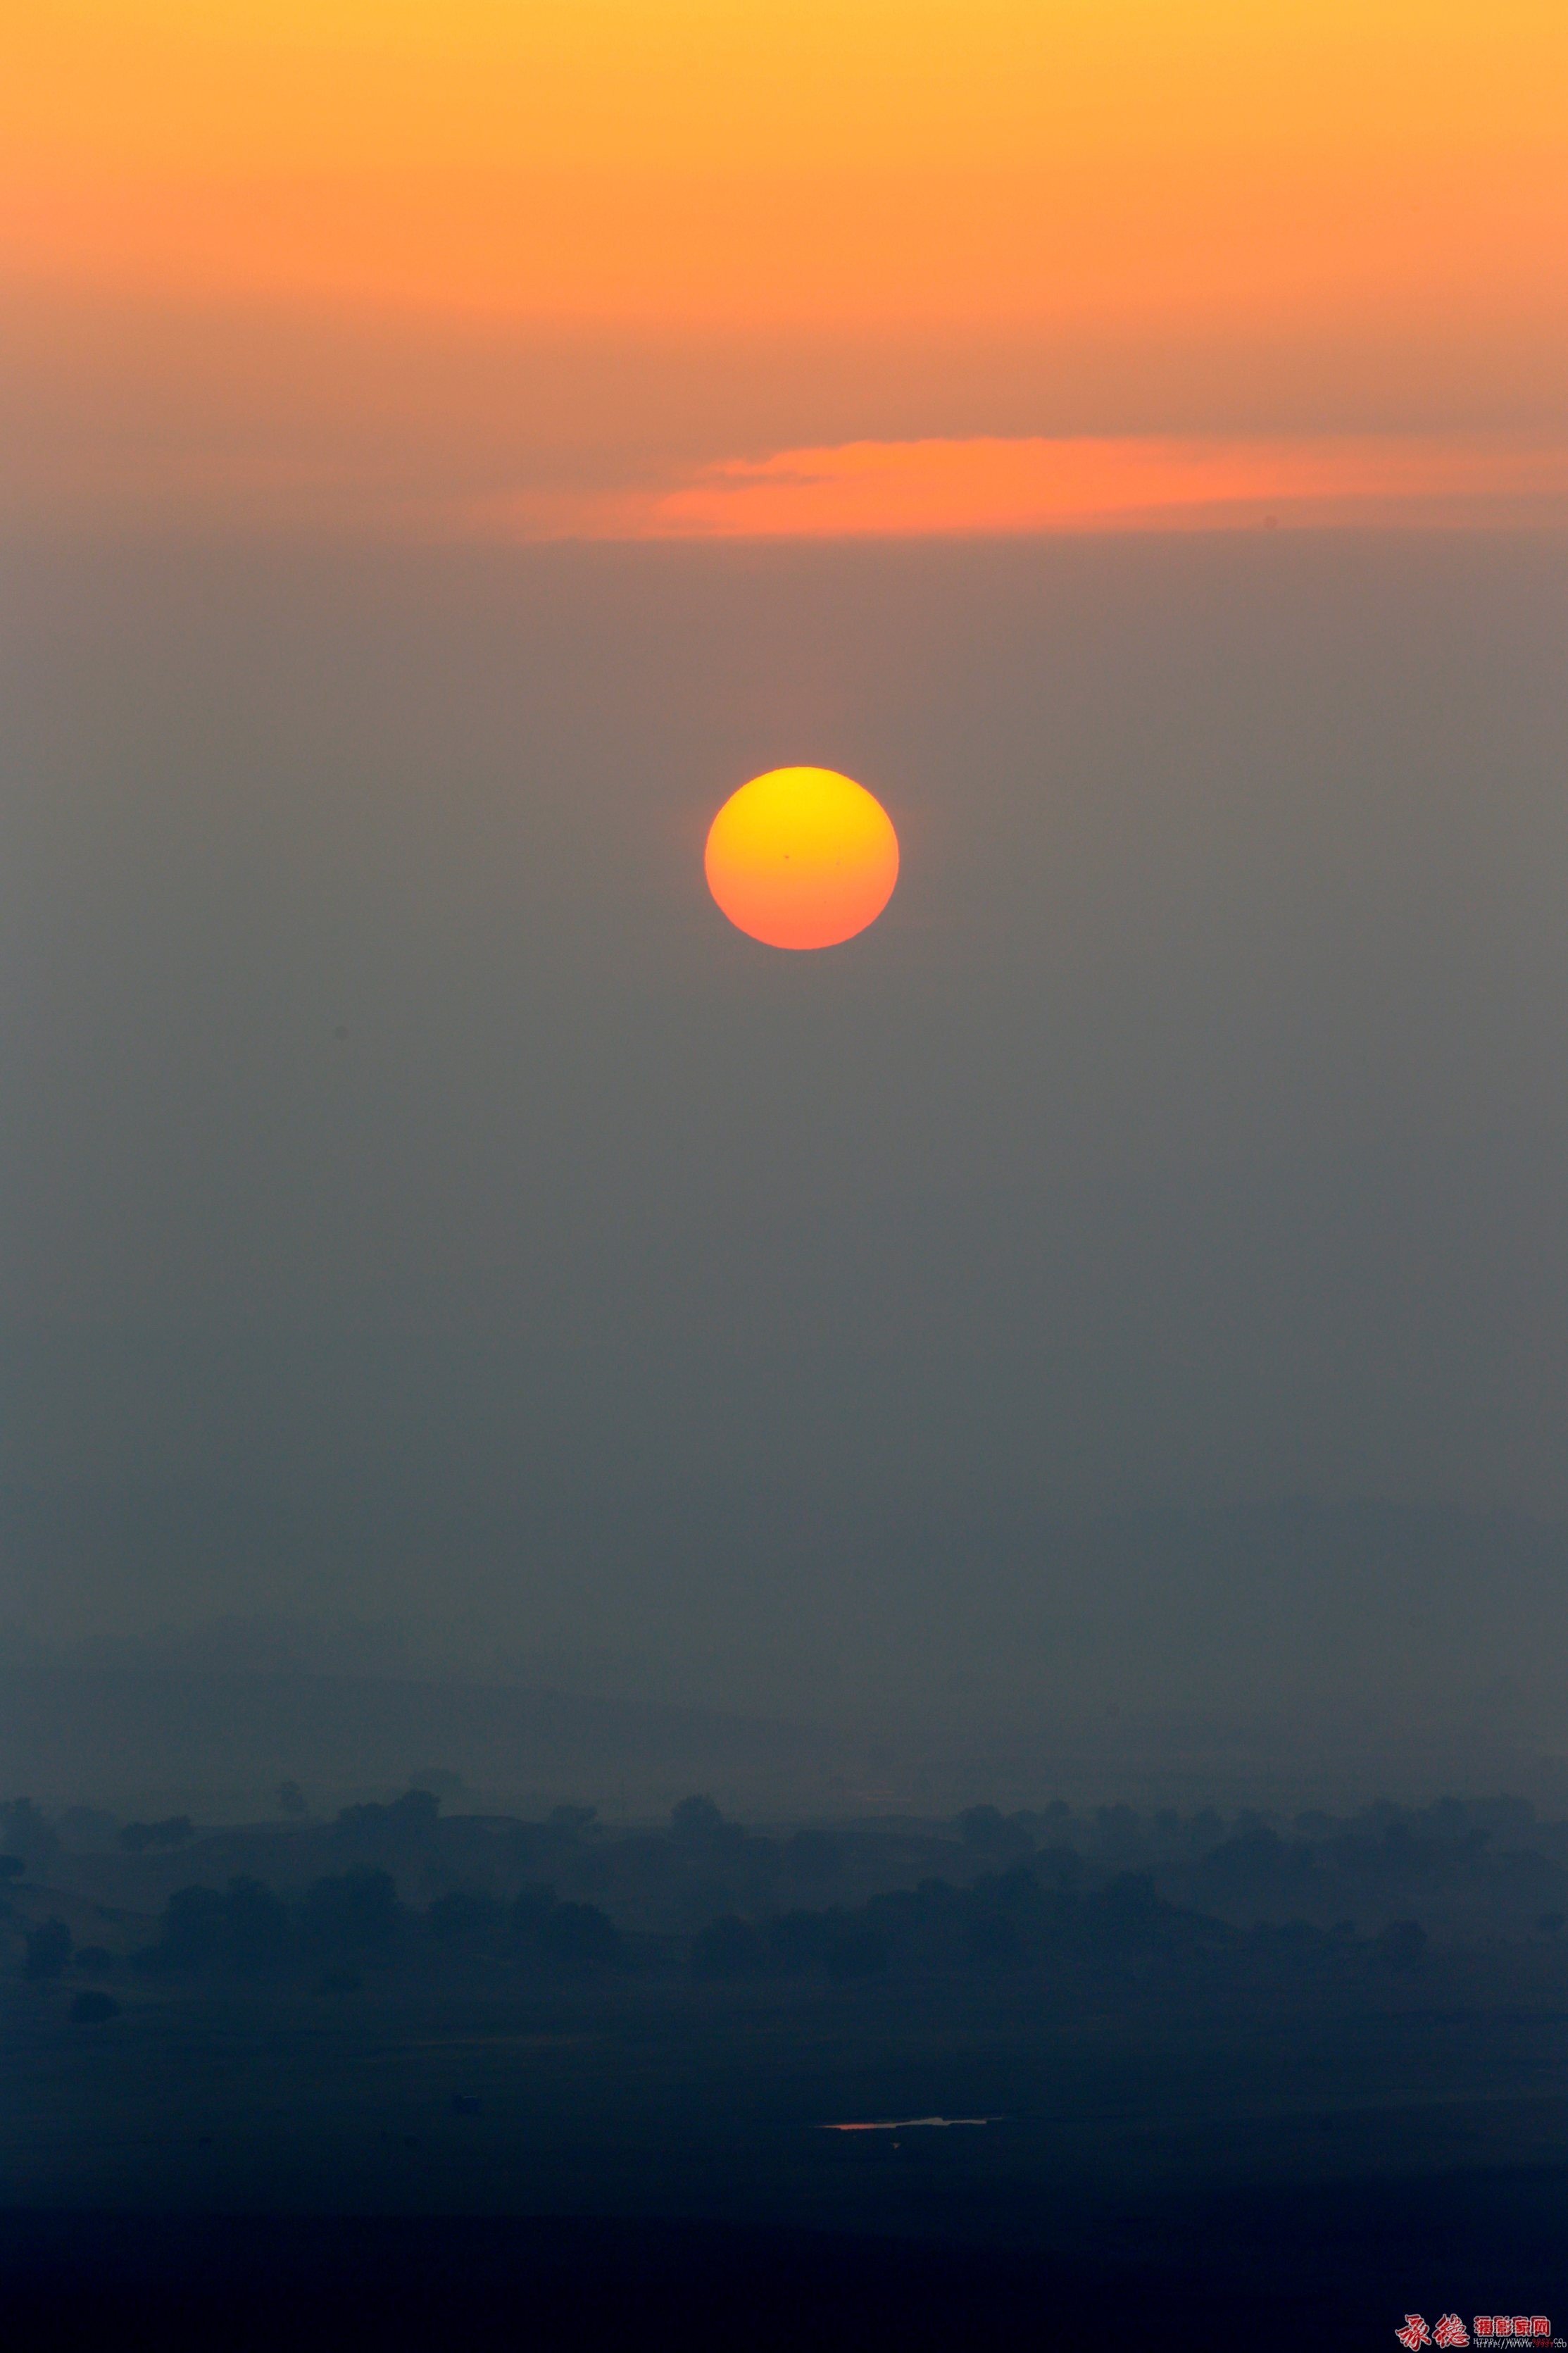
(802,857)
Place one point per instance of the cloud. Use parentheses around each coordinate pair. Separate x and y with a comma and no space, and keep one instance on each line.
(989,485)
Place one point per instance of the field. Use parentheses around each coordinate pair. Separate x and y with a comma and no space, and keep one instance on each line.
(1287,2147)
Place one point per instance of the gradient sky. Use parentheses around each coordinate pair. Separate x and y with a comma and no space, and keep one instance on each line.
(445,451)
(468,269)
(421,1200)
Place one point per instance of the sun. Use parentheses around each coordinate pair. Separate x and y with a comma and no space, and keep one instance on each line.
(802,857)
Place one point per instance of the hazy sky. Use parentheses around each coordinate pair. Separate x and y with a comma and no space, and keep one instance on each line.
(418,1191)
(515,268)
(446,449)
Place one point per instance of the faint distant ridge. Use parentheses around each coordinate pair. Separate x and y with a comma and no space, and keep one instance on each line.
(105,1721)
(1288,1651)
(980,1606)
(234,1643)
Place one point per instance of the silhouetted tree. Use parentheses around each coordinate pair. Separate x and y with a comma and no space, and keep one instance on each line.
(527,1914)
(986,1831)
(813,1856)
(407,1824)
(555,1843)
(1403,1945)
(466,1921)
(579,1936)
(292,1800)
(1118,1834)
(93,2008)
(992,1935)
(48,1948)
(1127,1912)
(696,1821)
(573,1822)
(355,1913)
(193,1929)
(855,1951)
(798,1940)
(256,1924)
(417,1810)
(25,1833)
(728,1949)
(86,1826)
(243,1926)
(136,1838)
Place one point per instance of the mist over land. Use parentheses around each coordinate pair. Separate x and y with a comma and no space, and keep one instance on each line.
(1048,1420)
(900,2077)
(1297,1656)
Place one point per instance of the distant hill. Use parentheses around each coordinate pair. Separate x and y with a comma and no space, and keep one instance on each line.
(71,1731)
(1289,1653)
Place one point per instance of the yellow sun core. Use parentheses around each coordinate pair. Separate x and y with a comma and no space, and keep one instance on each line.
(802,857)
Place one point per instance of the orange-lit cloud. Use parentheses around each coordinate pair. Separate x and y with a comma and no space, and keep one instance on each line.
(1366,205)
(908,489)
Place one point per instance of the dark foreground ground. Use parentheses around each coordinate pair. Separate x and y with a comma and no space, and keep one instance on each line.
(1276,2268)
(647,2164)
(371,2084)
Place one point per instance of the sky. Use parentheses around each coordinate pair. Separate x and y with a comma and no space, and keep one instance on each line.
(561,267)
(445,452)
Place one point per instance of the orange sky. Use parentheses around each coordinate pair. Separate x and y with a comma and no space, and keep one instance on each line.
(890,489)
(1196,215)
